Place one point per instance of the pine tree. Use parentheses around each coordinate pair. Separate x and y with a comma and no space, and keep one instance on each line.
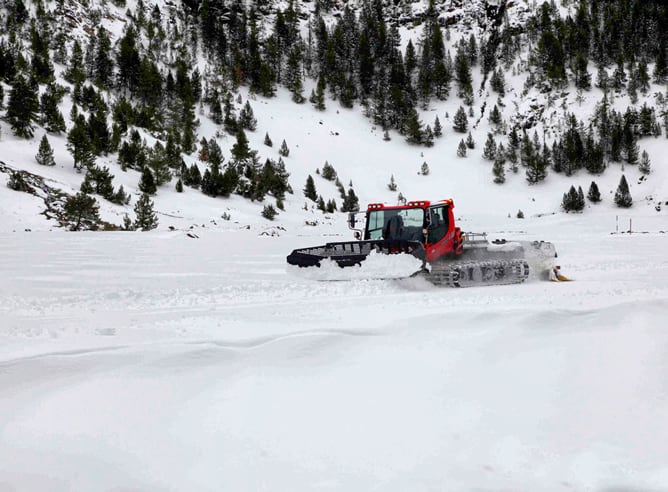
(194,176)
(551,58)
(79,144)
(339,186)
(103,63)
(632,87)
(513,138)
(498,82)
(22,107)
(630,144)
(267,140)
(82,210)
(179,186)
(602,78)
(536,167)
(99,181)
(328,172)
(240,150)
(470,143)
(309,189)
(45,154)
(495,117)
(462,71)
(582,76)
(214,154)
(147,182)
(209,182)
(52,118)
(120,197)
(87,185)
(647,121)
(269,212)
(284,151)
(593,194)
(498,169)
(489,150)
(644,166)
(545,157)
(351,202)
(461,149)
(593,155)
(460,121)
(428,137)
(157,163)
(76,71)
(619,75)
(229,118)
(414,130)
(146,219)
(98,132)
(573,200)
(568,200)
(128,60)
(172,153)
(247,118)
(294,81)
(623,197)
(216,108)
(438,129)
(536,170)
(580,203)
(511,154)
(320,204)
(127,223)
(318,97)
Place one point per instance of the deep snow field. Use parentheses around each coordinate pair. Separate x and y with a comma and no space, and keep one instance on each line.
(161,362)
(156,361)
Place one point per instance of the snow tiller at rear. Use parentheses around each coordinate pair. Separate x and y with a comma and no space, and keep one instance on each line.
(427,231)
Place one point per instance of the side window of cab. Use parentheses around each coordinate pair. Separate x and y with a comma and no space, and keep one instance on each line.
(439,224)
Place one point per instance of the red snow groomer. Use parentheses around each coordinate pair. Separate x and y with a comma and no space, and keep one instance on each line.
(427,230)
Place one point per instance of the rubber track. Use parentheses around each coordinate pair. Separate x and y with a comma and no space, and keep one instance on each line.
(473,273)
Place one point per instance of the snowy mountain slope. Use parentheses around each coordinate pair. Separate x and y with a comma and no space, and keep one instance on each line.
(354,146)
(346,140)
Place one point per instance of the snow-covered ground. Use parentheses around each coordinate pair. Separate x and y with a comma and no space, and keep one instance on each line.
(192,358)
(157,361)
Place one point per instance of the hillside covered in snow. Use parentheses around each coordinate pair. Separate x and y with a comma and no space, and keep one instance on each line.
(214,101)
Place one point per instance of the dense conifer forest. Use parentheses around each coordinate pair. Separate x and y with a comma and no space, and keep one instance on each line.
(170,64)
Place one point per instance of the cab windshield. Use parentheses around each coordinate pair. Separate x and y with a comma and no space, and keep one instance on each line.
(395,224)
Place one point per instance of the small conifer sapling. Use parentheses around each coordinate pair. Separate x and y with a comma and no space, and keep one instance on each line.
(594,195)
(45,153)
(461,149)
(623,197)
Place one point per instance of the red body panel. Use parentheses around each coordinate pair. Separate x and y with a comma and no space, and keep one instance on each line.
(444,239)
